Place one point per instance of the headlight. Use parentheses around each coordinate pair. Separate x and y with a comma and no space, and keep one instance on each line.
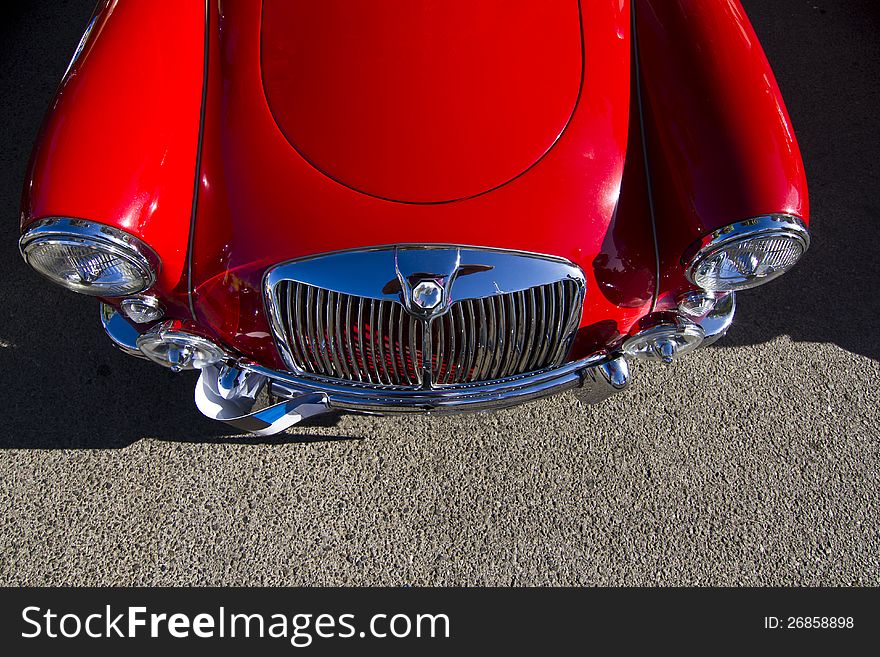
(748,253)
(89,258)
(167,344)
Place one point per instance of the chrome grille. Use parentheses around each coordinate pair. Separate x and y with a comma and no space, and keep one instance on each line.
(504,335)
(377,341)
(341,336)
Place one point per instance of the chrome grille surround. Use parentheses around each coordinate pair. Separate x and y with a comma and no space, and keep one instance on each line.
(347,317)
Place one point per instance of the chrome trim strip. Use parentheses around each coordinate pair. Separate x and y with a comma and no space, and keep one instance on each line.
(646,160)
(81,45)
(366,272)
(197,174)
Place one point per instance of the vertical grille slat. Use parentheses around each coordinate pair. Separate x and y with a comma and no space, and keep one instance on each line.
(458,316)
(510,352)
(318,336)
(566,316)
(300,306)
(390,352)
(334,334)
(415,341)
(549,327)
(350,354)
(482,332)
(362,364)
(472,342)
(491,338)
(390,372)
(437,351)
(371,361)
(286,308)
(449,318)
(539,343)
(520,329)
(500,336)
(509,328)
(550,301)
(559,324)
(378,342)
(546,311)
(316,328)
(529,347)
(396,350)
(311,332)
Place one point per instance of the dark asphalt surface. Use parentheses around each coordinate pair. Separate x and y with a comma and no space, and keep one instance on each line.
(751,462)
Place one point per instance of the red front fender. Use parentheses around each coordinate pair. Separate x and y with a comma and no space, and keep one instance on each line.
(119,144)
(720,144)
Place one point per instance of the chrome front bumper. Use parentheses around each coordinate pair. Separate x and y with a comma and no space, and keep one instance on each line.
(594,378)
(227,392)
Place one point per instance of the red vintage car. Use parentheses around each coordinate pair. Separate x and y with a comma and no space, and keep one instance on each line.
(413,205)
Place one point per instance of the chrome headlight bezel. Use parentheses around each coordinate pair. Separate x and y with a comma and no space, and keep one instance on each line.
(99,237)
(757,228)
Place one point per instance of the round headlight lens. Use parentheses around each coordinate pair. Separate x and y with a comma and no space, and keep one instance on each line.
(742,256)
(178,349)
(89,258)
(87,268)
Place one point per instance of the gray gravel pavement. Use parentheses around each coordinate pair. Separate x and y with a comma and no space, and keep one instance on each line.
(752,462)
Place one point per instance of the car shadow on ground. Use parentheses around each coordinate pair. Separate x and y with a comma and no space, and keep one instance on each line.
(63,385)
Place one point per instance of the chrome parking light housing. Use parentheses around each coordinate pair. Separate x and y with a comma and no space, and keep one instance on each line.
(142,309)
(169,345)
(664,338)
(698,303)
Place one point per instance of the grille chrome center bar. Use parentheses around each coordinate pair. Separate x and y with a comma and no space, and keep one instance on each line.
(349,317)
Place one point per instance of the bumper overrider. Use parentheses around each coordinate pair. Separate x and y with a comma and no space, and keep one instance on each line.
(414,329)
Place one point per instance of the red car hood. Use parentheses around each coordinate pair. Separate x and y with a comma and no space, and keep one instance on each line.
(424,101)
(343,124)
